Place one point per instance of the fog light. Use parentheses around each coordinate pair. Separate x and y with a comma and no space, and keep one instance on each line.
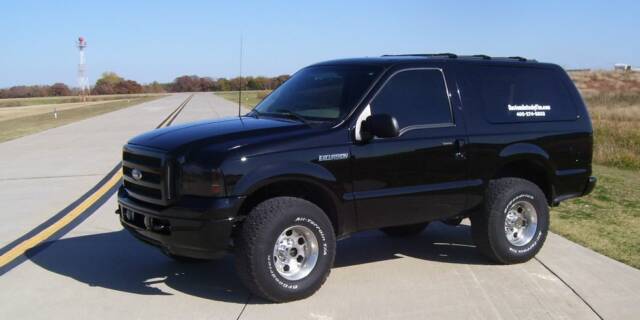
(148,223)
(128,214)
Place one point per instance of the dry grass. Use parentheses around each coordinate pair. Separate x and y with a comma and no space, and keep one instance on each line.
(608,220)
(593,83)
(249,98)
(19,112)
(15,128)
(613,100)
(20,102)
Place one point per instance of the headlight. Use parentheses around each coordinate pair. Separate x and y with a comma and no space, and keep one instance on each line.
(204,182)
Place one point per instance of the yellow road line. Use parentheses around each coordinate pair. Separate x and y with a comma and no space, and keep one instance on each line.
(68,218)
(175,115)
(20,249)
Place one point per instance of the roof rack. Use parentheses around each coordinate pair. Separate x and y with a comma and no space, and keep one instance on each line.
(454,56)
(444,54)
(482,56)
(486,57)
(517,58)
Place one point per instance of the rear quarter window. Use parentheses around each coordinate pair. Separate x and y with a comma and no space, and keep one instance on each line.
(523,94)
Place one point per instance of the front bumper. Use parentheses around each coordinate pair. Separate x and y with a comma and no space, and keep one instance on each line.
(193,227)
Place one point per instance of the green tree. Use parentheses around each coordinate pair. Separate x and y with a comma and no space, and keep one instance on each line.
(154,87)
(110,78)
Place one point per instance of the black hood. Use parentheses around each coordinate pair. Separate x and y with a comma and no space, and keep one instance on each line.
(212,131)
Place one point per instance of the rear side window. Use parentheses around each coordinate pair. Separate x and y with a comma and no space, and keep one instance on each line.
(512,94)
(415,97)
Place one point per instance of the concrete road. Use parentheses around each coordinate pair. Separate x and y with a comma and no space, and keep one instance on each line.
(42,173)
(97,270)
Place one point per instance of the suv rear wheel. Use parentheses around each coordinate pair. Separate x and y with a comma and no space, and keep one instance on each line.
(286,249)
(514,223)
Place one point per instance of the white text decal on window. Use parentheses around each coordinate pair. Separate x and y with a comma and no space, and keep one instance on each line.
(529,110)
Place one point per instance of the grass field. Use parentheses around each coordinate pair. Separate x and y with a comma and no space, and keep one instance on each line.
(22,126)
(20,102)
(608,220)
(613,99)
(24,111)
(249,98)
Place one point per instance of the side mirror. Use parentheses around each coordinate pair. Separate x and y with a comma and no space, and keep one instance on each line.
(379,125)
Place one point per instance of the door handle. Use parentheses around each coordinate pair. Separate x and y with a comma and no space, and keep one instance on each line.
(460,155)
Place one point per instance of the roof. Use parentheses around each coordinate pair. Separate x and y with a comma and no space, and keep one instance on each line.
(388,60)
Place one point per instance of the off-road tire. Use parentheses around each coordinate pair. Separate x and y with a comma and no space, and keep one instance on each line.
(488,225)
(255,247)
(405,230)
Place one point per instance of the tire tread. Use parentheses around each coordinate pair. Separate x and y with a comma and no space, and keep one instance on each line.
(261,215)
(482,221)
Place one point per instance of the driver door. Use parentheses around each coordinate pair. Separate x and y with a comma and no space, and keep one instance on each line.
(419,175)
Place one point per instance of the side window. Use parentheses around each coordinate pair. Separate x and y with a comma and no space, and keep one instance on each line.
(522,94)
(415,97)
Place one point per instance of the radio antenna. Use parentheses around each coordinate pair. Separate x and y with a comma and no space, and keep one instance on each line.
(240,86)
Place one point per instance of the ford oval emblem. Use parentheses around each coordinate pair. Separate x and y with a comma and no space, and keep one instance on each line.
(136,174)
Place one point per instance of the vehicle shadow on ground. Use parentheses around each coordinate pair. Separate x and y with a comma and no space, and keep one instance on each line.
(117,261)
(439,242)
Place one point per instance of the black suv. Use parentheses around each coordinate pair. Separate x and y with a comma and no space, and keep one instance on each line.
(387,143)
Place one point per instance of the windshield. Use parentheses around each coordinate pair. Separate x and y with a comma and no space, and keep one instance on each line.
(322,93)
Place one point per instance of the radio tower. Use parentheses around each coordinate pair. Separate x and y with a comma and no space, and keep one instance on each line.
(83,82)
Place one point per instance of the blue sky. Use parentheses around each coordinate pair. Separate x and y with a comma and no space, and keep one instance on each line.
(160,40)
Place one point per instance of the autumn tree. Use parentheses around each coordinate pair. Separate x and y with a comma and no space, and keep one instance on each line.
(59,89)
(186,84)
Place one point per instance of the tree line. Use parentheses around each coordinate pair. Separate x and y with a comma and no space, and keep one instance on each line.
(56,89)
(111,83)
(195,83)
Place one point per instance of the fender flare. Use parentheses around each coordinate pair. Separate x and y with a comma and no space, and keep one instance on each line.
(531,153)
(524,151)
(296,171)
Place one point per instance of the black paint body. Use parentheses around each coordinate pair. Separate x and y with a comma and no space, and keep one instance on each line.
(422,175)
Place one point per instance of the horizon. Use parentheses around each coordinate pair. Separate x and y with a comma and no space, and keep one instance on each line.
(148,42)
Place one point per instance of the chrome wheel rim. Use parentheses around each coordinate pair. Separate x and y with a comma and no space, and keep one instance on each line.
(520,223)
(295,252)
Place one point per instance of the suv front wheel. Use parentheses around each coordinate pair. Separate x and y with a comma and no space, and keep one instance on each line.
(514,223)
(286,249)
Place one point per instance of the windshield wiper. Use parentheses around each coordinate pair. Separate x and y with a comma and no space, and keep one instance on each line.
(291,115)
(255,113)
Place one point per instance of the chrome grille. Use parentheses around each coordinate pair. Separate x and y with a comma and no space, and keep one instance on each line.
(154,186)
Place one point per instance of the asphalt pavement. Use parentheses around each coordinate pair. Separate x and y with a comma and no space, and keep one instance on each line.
(91,268)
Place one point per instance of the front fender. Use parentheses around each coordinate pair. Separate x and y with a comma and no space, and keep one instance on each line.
(308,173)
(287,170)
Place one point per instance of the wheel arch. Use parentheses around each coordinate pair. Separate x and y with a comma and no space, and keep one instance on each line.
(313,185)
(529,162)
